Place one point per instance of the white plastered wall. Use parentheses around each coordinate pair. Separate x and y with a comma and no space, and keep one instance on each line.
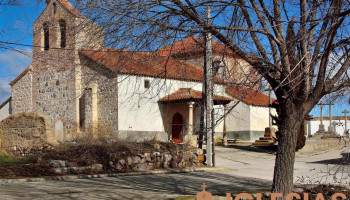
(138,106)
(5,111)
(238,119)
(259,118)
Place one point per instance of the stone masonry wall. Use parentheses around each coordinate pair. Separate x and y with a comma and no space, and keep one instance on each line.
(22,94)
(86,110)
(107,94)
(54,70)
(56,80)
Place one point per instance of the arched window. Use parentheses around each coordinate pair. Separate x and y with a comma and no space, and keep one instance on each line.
(54,8)
(46,37)
(63,31)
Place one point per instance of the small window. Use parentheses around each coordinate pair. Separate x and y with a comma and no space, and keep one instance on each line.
(54,8)
(63,32)
(57,82)
(46,37)
(147,84)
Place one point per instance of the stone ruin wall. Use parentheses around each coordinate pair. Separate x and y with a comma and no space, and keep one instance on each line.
(25,133)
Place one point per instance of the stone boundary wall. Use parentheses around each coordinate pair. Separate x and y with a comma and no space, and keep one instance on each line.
(142,161)
(25,134)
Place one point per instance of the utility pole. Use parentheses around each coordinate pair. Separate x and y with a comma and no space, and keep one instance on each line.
(208,80)
(346,126)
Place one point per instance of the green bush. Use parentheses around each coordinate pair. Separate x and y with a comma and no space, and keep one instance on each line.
(7,160)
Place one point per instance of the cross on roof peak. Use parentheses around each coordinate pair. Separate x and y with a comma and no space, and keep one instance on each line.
(204,186)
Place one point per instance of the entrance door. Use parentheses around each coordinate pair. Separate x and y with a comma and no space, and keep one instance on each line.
(177,128)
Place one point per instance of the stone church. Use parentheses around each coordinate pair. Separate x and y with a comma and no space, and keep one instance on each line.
(82,86)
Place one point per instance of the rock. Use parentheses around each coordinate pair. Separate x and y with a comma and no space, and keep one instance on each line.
(150,166)
(165,164)
(195,157)
(72,164)
(142,166)
(40,161)
(56,163)
(129,160)
(180,164)
(200,151)
(111,164)
(61,169)
(157,165)
(136,159)
(173,163)
(157,154)
(143,160)
(122,162)
(156,146)
(167,157)
(113,156)
(141,155)
(119,166)
(96,167)
(148,157)
(52,170)
(69,169)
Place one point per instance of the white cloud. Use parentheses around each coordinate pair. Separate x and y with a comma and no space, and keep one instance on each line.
(12,62)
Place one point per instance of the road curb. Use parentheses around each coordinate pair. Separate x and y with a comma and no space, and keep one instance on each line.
(91,176)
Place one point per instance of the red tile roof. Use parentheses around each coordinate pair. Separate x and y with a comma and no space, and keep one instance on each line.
(146,64)
(194,46)
(249,96)
(184,94)
(5,102)
(66,4)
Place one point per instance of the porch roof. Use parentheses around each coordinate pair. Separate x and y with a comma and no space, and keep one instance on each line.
(188,95)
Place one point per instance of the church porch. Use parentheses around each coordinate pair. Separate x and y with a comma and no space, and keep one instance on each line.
(181,114)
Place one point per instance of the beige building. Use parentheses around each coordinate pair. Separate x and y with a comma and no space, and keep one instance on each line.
(82,86)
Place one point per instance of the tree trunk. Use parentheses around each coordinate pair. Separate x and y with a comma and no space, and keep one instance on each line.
(289,126)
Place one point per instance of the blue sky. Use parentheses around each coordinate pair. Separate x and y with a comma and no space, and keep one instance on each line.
(16,27)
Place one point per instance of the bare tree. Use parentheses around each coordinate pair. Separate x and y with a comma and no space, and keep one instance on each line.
(300,47)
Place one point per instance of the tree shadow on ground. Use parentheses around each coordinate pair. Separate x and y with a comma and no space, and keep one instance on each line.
(336,161)
(138,187)
(269,149)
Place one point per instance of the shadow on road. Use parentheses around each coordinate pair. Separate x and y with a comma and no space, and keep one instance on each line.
(136,187)
(269,150)
(336,161)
